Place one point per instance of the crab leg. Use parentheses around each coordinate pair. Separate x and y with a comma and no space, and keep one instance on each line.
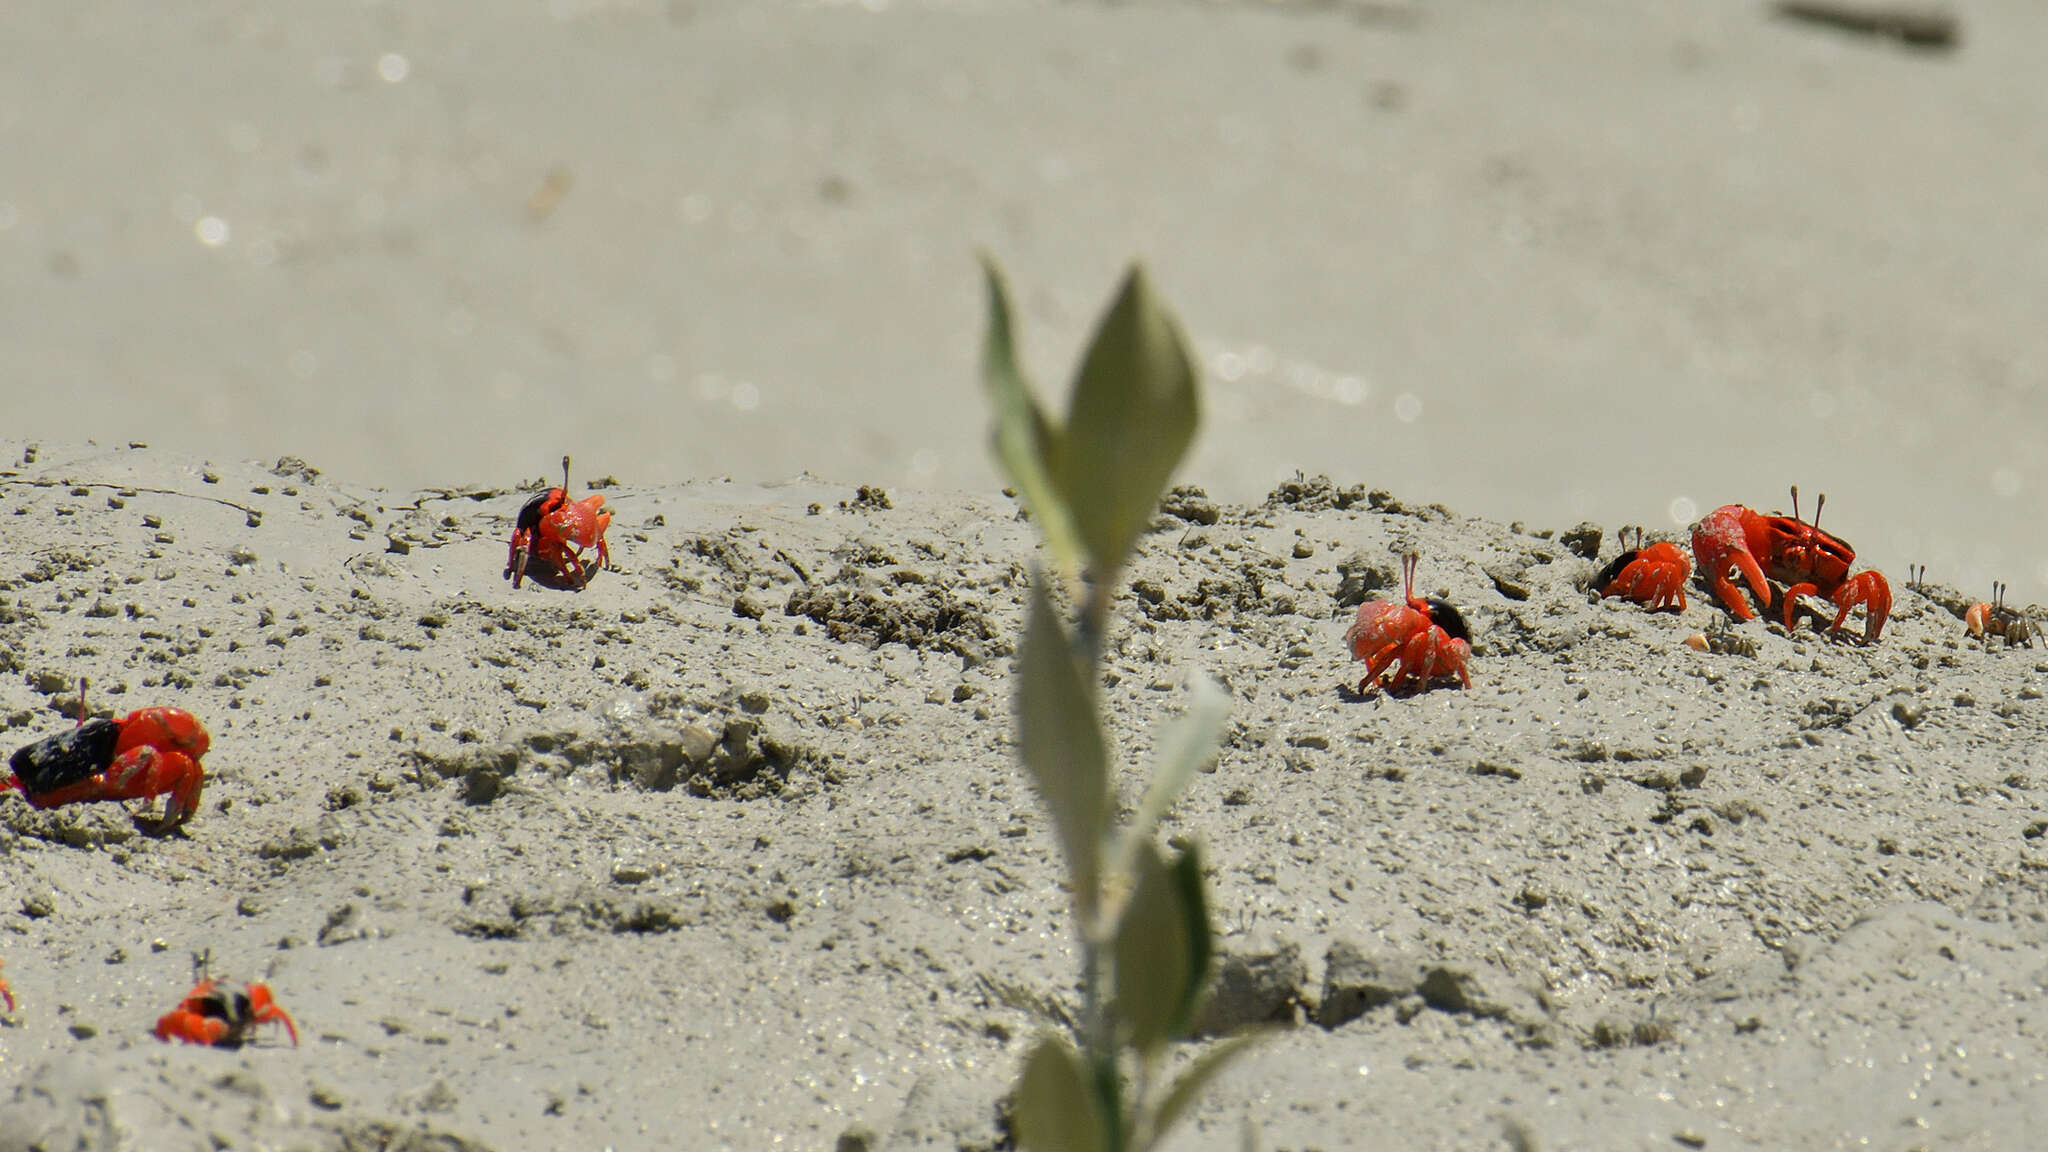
(1874,593)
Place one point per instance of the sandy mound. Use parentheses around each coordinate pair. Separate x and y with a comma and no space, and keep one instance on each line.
(731,848)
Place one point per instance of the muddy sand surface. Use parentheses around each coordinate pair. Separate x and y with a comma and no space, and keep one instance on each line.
(732,850)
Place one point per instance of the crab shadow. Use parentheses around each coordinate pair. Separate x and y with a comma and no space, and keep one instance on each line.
(1350,694)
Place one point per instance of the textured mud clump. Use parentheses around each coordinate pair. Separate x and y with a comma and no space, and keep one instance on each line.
(1190,503)
(78,826)
(909,612)
(729,757)
(1256,984)
(1359,577)
(1357,982)
(1320,493)
(1583,540)
(1316,493)
(726,556)
(56,562)
(741,758)
(390,1136)
(1214,597)
(492,914)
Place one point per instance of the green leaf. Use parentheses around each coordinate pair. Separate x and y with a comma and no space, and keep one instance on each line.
(1156,973)
(1061,743)
(1189,743)
(1200,1073)
(1025,441)
(1056,1107)
(1131,419)
(1199,941)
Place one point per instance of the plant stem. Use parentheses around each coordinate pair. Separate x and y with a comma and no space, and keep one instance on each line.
(1142,1135)
(1099,1030)
(1092,1019)
(1093,627)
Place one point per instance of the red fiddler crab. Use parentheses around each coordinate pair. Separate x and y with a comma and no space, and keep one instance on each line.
(1426,636)
(215,1014)
(1794,552)
(1652,576)
(148,752)
(550,535)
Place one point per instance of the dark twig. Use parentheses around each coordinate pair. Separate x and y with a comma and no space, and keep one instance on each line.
(1928,26)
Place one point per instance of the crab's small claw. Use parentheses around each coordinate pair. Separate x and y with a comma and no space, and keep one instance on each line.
(522,540)
(1792,596)
(179,807)
(264,1010)
(527,525)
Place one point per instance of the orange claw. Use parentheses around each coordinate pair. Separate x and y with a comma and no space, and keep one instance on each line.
(1976,618)
(6,993)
